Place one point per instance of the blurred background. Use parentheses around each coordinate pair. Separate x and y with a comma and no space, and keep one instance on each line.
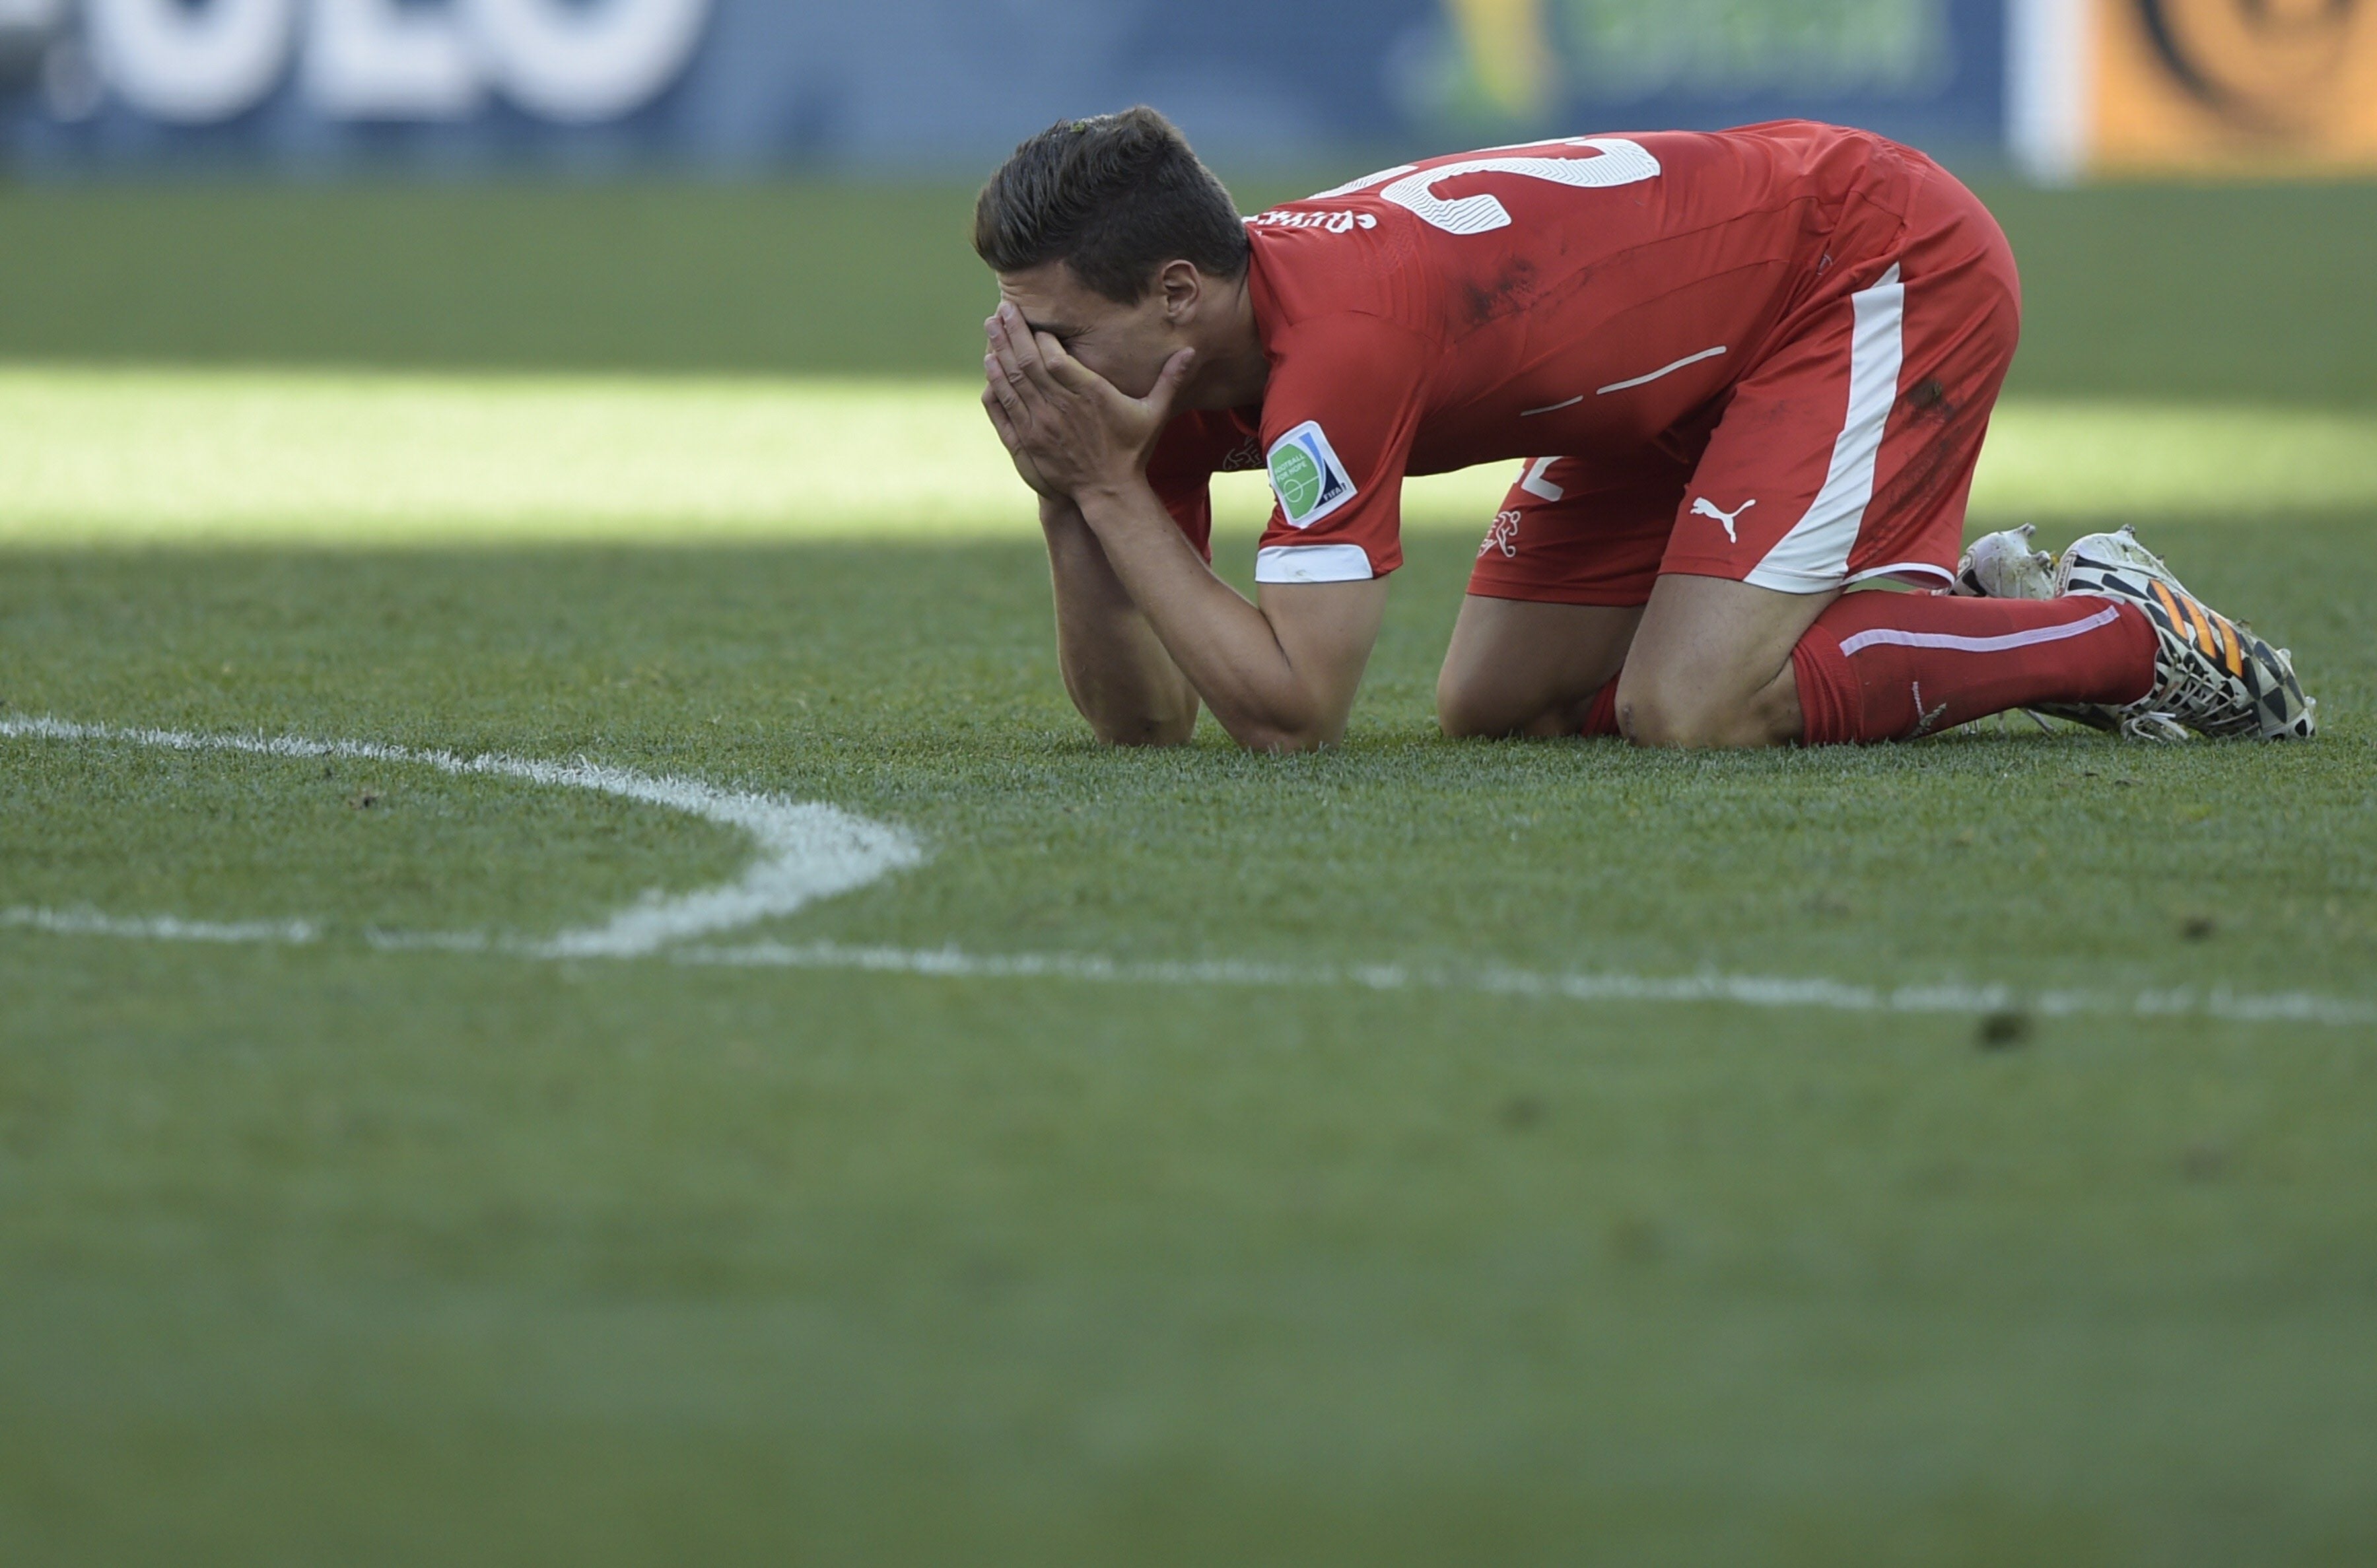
(325,87)
(780,188)
(782,183)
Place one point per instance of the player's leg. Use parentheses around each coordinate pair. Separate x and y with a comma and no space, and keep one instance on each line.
(1711,664)
(2212,675)
(1895,667)
(1518,668)
(1553,601)
(1848,455)
(1865,665)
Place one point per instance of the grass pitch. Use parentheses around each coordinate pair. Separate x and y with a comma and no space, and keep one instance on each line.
(110,458)
(1329,1252)
(326,1253)
(2218,294)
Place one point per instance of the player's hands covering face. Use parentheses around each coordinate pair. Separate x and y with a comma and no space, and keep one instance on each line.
(1067,427)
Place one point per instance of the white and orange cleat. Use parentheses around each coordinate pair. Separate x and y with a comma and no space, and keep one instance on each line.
(2212,675)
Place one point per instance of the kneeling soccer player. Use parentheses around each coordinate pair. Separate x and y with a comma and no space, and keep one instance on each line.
(1745,371)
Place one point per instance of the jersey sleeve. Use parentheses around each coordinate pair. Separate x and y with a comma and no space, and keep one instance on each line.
(1344,400)
(1179,470)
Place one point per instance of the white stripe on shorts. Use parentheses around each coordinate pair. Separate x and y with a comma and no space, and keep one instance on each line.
(1814,557)
(1884,637)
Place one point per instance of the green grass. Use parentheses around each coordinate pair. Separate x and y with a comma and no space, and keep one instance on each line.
(324,1253)
(2220,294)
(328,1254)
(113,455)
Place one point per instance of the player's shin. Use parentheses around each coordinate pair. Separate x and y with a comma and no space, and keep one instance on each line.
(1895,667)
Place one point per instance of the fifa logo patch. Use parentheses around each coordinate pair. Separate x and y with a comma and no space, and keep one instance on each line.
(1307,478)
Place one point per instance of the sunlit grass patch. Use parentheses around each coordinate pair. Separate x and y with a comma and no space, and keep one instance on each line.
(91,455)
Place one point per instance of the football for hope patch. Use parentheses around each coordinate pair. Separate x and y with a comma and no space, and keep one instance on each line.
(1307,478)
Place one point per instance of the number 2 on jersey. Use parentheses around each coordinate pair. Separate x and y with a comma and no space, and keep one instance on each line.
(1621,162)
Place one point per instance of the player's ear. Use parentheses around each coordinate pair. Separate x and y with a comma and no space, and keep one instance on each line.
(1182,286)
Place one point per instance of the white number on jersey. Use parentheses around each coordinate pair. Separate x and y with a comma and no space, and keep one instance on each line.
(1621,162)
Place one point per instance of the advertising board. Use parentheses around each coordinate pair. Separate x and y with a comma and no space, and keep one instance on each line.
(2221,87)
(930,86)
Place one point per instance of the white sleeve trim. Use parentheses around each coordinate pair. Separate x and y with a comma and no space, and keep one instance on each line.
(1312,563)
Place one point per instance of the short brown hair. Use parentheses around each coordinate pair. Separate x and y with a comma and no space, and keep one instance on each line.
(1113,196)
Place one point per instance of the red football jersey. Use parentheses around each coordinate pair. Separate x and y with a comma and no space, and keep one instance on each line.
(1594,298)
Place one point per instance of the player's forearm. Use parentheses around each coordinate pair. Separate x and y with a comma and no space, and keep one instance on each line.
(1225,646)
(1116,671)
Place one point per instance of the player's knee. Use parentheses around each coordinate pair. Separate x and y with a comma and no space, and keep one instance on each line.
(1470,706)
(1654,718)
(1673,715)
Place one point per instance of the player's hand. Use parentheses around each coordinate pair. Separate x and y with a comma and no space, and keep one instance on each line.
(1024,467)
(1077,430)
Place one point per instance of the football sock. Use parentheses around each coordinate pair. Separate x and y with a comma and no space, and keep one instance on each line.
(1893,666)
(1602,717)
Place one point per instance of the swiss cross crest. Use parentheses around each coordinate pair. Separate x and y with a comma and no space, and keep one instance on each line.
(1502,536)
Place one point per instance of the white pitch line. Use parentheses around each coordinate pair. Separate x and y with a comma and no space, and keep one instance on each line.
(812,851)
(1771,991)
(808,850)
(1745,991)
(161,928)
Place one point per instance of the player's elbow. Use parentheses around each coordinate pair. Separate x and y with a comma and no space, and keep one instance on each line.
(1158,729)
(1279,741)
(1263,735)
(1144,713)
(1287,716)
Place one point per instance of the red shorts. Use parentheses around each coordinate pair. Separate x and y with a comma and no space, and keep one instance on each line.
(1845,451)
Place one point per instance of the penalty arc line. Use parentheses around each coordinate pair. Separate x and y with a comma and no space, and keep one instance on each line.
(810,850)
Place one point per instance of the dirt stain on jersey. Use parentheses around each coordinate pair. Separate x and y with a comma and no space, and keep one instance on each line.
(1511,292)
(1942,423)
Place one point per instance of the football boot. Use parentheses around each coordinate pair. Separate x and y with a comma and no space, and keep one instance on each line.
(2212,675)
(2004,565)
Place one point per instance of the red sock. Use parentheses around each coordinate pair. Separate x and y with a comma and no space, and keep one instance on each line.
(1893,666)
(1602,717)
